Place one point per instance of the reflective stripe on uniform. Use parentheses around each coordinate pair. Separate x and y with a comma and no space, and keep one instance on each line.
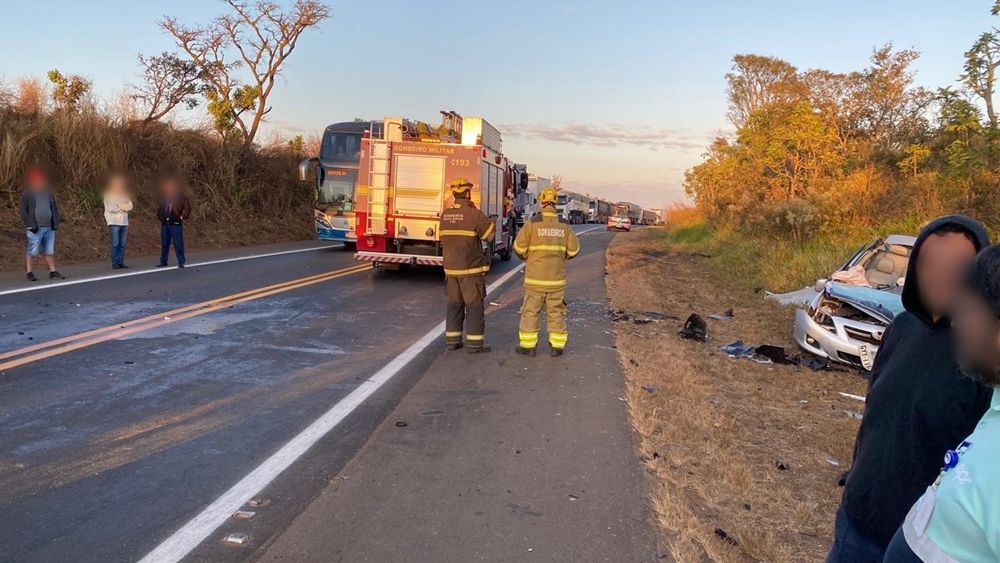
(558,339)
(489,232)
(458,233)
(470,271)
(450,334)
(553,247)
(545,283)
(475,336)
(572,254)
(528,340)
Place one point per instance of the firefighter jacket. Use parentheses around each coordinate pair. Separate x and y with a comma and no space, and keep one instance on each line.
(463,230)
(545,243)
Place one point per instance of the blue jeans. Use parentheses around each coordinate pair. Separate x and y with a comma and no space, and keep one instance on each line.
(850,545)
(119,234)
(172,234)
(43,241)
(899,551)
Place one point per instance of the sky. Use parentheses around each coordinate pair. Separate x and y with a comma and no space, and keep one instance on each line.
(617,97)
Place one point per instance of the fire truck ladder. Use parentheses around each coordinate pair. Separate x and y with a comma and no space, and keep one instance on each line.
(378,187)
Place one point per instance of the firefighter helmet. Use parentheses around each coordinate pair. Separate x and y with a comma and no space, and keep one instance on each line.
(460,186)
(548,196)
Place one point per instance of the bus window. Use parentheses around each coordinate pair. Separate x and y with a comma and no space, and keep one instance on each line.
(340,147)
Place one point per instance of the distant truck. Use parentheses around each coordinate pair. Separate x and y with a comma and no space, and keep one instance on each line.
(649,217)
(573,207)
(527,205)
(599,211)
(625,215)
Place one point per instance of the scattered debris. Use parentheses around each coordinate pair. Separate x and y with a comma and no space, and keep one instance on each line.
(573,497)
(695,328)
(20,333)
(649,389)
(642,318)
(129,362)
(782,466)
(746,505)
(833,462)
(724,536)
(236,538)
(852,396)
(244,514)
(401,424)
(494,304)
(258,502)
(729,314)
(854,414)
(432,413)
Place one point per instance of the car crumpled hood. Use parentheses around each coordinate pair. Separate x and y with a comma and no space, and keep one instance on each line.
(879,303)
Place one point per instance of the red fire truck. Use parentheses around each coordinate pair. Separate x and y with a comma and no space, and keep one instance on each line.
(403,179)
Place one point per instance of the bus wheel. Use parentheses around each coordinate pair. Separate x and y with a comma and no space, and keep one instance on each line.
(350,246)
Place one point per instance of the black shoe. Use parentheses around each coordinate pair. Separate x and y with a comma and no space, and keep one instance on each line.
(478,350)
(181,266)
(54,275)
(556,352)
(530,352)
(116,267)
(161,265)
(456,346)
(31,276)
(122,267)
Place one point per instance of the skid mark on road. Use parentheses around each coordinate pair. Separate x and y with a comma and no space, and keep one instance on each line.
(122,446)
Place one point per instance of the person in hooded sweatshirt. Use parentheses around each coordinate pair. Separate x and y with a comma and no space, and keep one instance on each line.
(919,403)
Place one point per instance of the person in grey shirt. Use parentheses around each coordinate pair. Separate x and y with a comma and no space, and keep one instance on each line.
(40,216)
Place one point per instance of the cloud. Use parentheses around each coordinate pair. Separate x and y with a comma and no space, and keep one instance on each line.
(609,135)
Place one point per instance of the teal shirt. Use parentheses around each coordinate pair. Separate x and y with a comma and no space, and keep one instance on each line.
(958,518)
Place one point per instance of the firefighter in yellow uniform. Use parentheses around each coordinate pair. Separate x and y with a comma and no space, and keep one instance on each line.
(545,243)
(463,231)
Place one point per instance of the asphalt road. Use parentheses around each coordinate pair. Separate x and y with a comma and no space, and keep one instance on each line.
(108,446)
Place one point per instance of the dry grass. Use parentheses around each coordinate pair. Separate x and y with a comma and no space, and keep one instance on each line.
(714,429)
(238,198)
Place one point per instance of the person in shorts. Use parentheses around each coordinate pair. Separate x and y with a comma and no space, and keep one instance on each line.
(40,216)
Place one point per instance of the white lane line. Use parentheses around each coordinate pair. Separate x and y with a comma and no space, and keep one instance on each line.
(155,270)
(184,540)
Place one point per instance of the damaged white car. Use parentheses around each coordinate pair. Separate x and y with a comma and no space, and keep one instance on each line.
(847,317)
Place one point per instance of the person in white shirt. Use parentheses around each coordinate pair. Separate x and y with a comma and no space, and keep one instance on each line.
(117,205)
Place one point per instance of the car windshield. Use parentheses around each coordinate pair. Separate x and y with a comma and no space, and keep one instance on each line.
(340,147)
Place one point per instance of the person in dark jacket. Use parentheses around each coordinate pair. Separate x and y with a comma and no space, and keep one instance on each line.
(173,211)
(919,403)
(40,216)
(956,518)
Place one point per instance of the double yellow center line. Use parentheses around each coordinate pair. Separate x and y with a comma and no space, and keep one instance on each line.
(29,354)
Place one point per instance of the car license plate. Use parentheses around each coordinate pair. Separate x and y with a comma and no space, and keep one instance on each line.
(867,356)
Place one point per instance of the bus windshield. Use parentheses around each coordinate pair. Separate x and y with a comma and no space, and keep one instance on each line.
(336,188)
(340,147)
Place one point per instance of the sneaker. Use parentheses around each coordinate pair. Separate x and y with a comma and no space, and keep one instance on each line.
(455,346)
(479,350)
(54,275)
(31,276)
(556,352)
(530,352)
(181,266)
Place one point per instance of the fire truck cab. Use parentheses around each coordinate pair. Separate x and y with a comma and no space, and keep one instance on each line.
(403,179)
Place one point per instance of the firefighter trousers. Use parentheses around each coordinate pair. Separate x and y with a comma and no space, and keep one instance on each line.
(552,300)
(466,310)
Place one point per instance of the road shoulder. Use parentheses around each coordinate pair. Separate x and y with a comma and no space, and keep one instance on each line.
(496,457)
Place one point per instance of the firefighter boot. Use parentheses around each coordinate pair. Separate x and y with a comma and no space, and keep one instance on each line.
(556,352)
(530,352)
(478,349)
